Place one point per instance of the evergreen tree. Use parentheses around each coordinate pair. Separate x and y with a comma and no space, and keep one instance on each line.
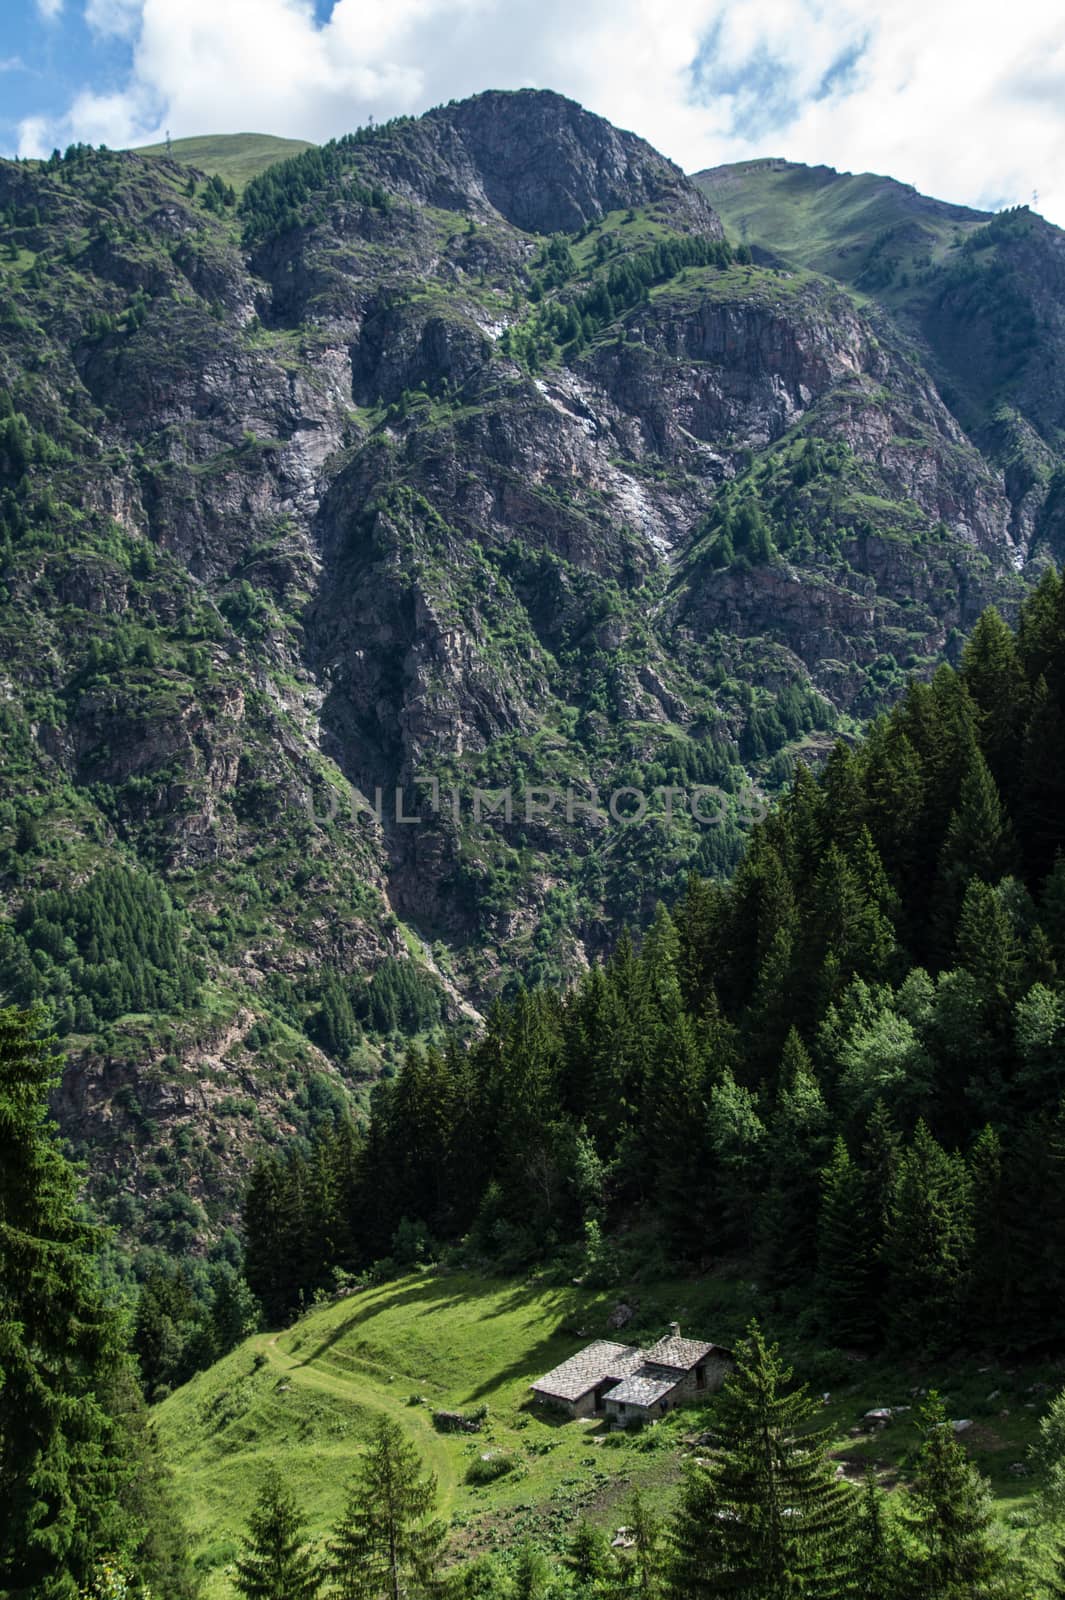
(927,1248)
(797,1146)
(531,1577)
(878,1569)
(766,1519)
(848,1243)
(995,678)
(1050,1459)
(589,1557)
(644,1562)
(271,1264)
(953,1552)
(275,1563)
(991,1276)
(980,843)
(387,1543)
(737,1153)
(77,1478)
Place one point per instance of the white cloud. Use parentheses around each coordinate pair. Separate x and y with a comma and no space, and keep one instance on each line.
(49,9)
(116,18)
(963,98)
(33,138)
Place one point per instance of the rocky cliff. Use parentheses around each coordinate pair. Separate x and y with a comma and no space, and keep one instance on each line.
(466,452)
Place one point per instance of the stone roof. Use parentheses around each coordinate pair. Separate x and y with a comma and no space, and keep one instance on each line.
(644,1388)
(679,1354)
(588,1368)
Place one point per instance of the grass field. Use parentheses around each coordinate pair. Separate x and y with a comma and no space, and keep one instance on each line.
(235,157)
(304,1398)
(839,223)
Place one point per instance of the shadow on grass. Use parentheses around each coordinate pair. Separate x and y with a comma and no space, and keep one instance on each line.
(439,1292)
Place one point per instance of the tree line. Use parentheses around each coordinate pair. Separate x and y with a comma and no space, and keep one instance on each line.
(847,1063)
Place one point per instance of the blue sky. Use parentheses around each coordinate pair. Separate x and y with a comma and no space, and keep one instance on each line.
(960,97)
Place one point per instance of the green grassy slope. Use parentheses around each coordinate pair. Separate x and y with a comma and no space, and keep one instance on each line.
(236,157)
(304,1399)
(845,225)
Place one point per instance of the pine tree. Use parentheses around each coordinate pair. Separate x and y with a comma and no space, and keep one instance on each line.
(268,1227)
(848,1242)
(988,946)
(275,1564)
(881,1154)
(878,1570)
(387,1539)
(737,1157)
(767,1518)
(66,1460)
(980,843)
(1041,804)
(531,1577)
(589,1556)
(991,1276)
(797,1147)
(953,1552)
(644,1563)
(927,1248)
(1055,1583)
(993,673)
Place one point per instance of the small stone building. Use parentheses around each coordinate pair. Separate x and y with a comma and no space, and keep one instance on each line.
(673,1370)
(579,1384)
(631,1385)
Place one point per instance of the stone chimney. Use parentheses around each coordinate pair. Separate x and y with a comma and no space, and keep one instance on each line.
(674,1330)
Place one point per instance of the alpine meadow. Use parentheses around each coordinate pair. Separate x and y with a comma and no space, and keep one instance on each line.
(532,873)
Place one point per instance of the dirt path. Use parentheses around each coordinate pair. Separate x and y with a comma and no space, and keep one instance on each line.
(416,1421)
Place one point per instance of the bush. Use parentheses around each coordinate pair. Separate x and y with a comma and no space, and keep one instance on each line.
(490,1466)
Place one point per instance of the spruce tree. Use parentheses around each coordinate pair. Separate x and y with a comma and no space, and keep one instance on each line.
(737,1157)
(268,1228)
(589,1557)
(953,1552)
(991,1277)
(387,1544)
(878,1567)
(980,843)
(927,1248)
(798,1144)
(643,1566)
(767,1518)
(78,1476)
(1055,1583)
(275,1563)
(993,673)
(848,1242)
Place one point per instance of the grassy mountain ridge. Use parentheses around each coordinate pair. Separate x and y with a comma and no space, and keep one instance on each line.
(979,293)
(236,158)
(842,224)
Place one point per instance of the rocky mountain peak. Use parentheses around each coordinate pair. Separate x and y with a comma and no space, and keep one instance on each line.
(538,160)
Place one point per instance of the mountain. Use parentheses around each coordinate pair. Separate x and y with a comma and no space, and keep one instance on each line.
(980,295)
(864,230)
(466,451)
(236,158)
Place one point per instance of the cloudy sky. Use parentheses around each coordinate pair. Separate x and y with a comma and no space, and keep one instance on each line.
(964,98)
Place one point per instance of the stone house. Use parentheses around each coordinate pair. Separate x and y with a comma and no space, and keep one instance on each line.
(630,1385)
(579,1384)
